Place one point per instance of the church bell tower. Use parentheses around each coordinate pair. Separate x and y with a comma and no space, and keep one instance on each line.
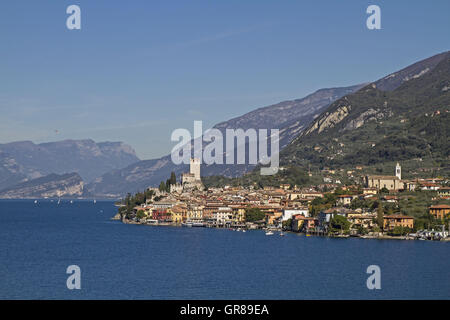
(398,171)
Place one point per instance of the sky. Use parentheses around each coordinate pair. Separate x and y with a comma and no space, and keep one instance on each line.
(139,69)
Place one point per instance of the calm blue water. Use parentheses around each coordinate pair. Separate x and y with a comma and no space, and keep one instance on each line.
(117,261)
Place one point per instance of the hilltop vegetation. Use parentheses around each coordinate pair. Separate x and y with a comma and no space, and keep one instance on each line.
(371,126)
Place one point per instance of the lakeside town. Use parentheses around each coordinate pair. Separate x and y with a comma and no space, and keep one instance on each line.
(383,207)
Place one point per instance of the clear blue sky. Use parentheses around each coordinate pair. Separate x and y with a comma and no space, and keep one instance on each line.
(139,69)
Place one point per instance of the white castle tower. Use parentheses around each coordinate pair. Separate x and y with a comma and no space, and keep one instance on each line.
(398,171)
(195,168)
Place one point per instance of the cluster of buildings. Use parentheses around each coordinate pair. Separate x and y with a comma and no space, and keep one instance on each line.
(189,203)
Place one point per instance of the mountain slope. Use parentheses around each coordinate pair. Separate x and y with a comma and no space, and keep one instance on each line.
(24,160)
(408,121)
(53,185)
(291,117)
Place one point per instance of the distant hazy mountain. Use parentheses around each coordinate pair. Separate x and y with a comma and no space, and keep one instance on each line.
(20,161)
(291,117)
(403,117)
(51,186)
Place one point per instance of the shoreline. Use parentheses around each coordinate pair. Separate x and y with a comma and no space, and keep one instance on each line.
(369,237)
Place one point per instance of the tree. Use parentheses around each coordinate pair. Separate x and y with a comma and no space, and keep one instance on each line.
(384,190)
(339,223)
(362,230)
(400,231)
(140,214)
(287,224)
(173,178)
(123,212)
(254,214)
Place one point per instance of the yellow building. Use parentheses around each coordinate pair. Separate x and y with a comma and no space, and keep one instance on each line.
(194,213)
(238,215)
(440,211)
(272,217)
(176,214)
(397,220)
(444,192)
(361,220)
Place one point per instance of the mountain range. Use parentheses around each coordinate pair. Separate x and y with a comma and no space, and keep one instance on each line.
(403,116)
(25,160)
(291,117)
(51,186)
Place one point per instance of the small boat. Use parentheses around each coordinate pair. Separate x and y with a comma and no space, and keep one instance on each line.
(244,230)
(269,233)
(308,235)
(35,201)
(282,234)
(198,224)
(71,201)
(95,201)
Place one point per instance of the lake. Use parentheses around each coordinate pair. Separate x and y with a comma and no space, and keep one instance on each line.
(118,261)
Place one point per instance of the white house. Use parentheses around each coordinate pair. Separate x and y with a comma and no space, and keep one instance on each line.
(288,213)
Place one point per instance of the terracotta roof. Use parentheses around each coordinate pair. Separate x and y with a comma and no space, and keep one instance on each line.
(383,177)
(398,216)
(440,206)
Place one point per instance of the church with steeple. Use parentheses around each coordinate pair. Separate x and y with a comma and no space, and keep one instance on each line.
(392,183)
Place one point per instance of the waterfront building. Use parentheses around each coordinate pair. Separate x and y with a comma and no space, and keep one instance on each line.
(288,213)
(177,213)
(238,214)
(325,216)
(301,223)
(161,215)
(272,218)
(397,220)
(358,220)
(195,213)
(222,217)
(297,222)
